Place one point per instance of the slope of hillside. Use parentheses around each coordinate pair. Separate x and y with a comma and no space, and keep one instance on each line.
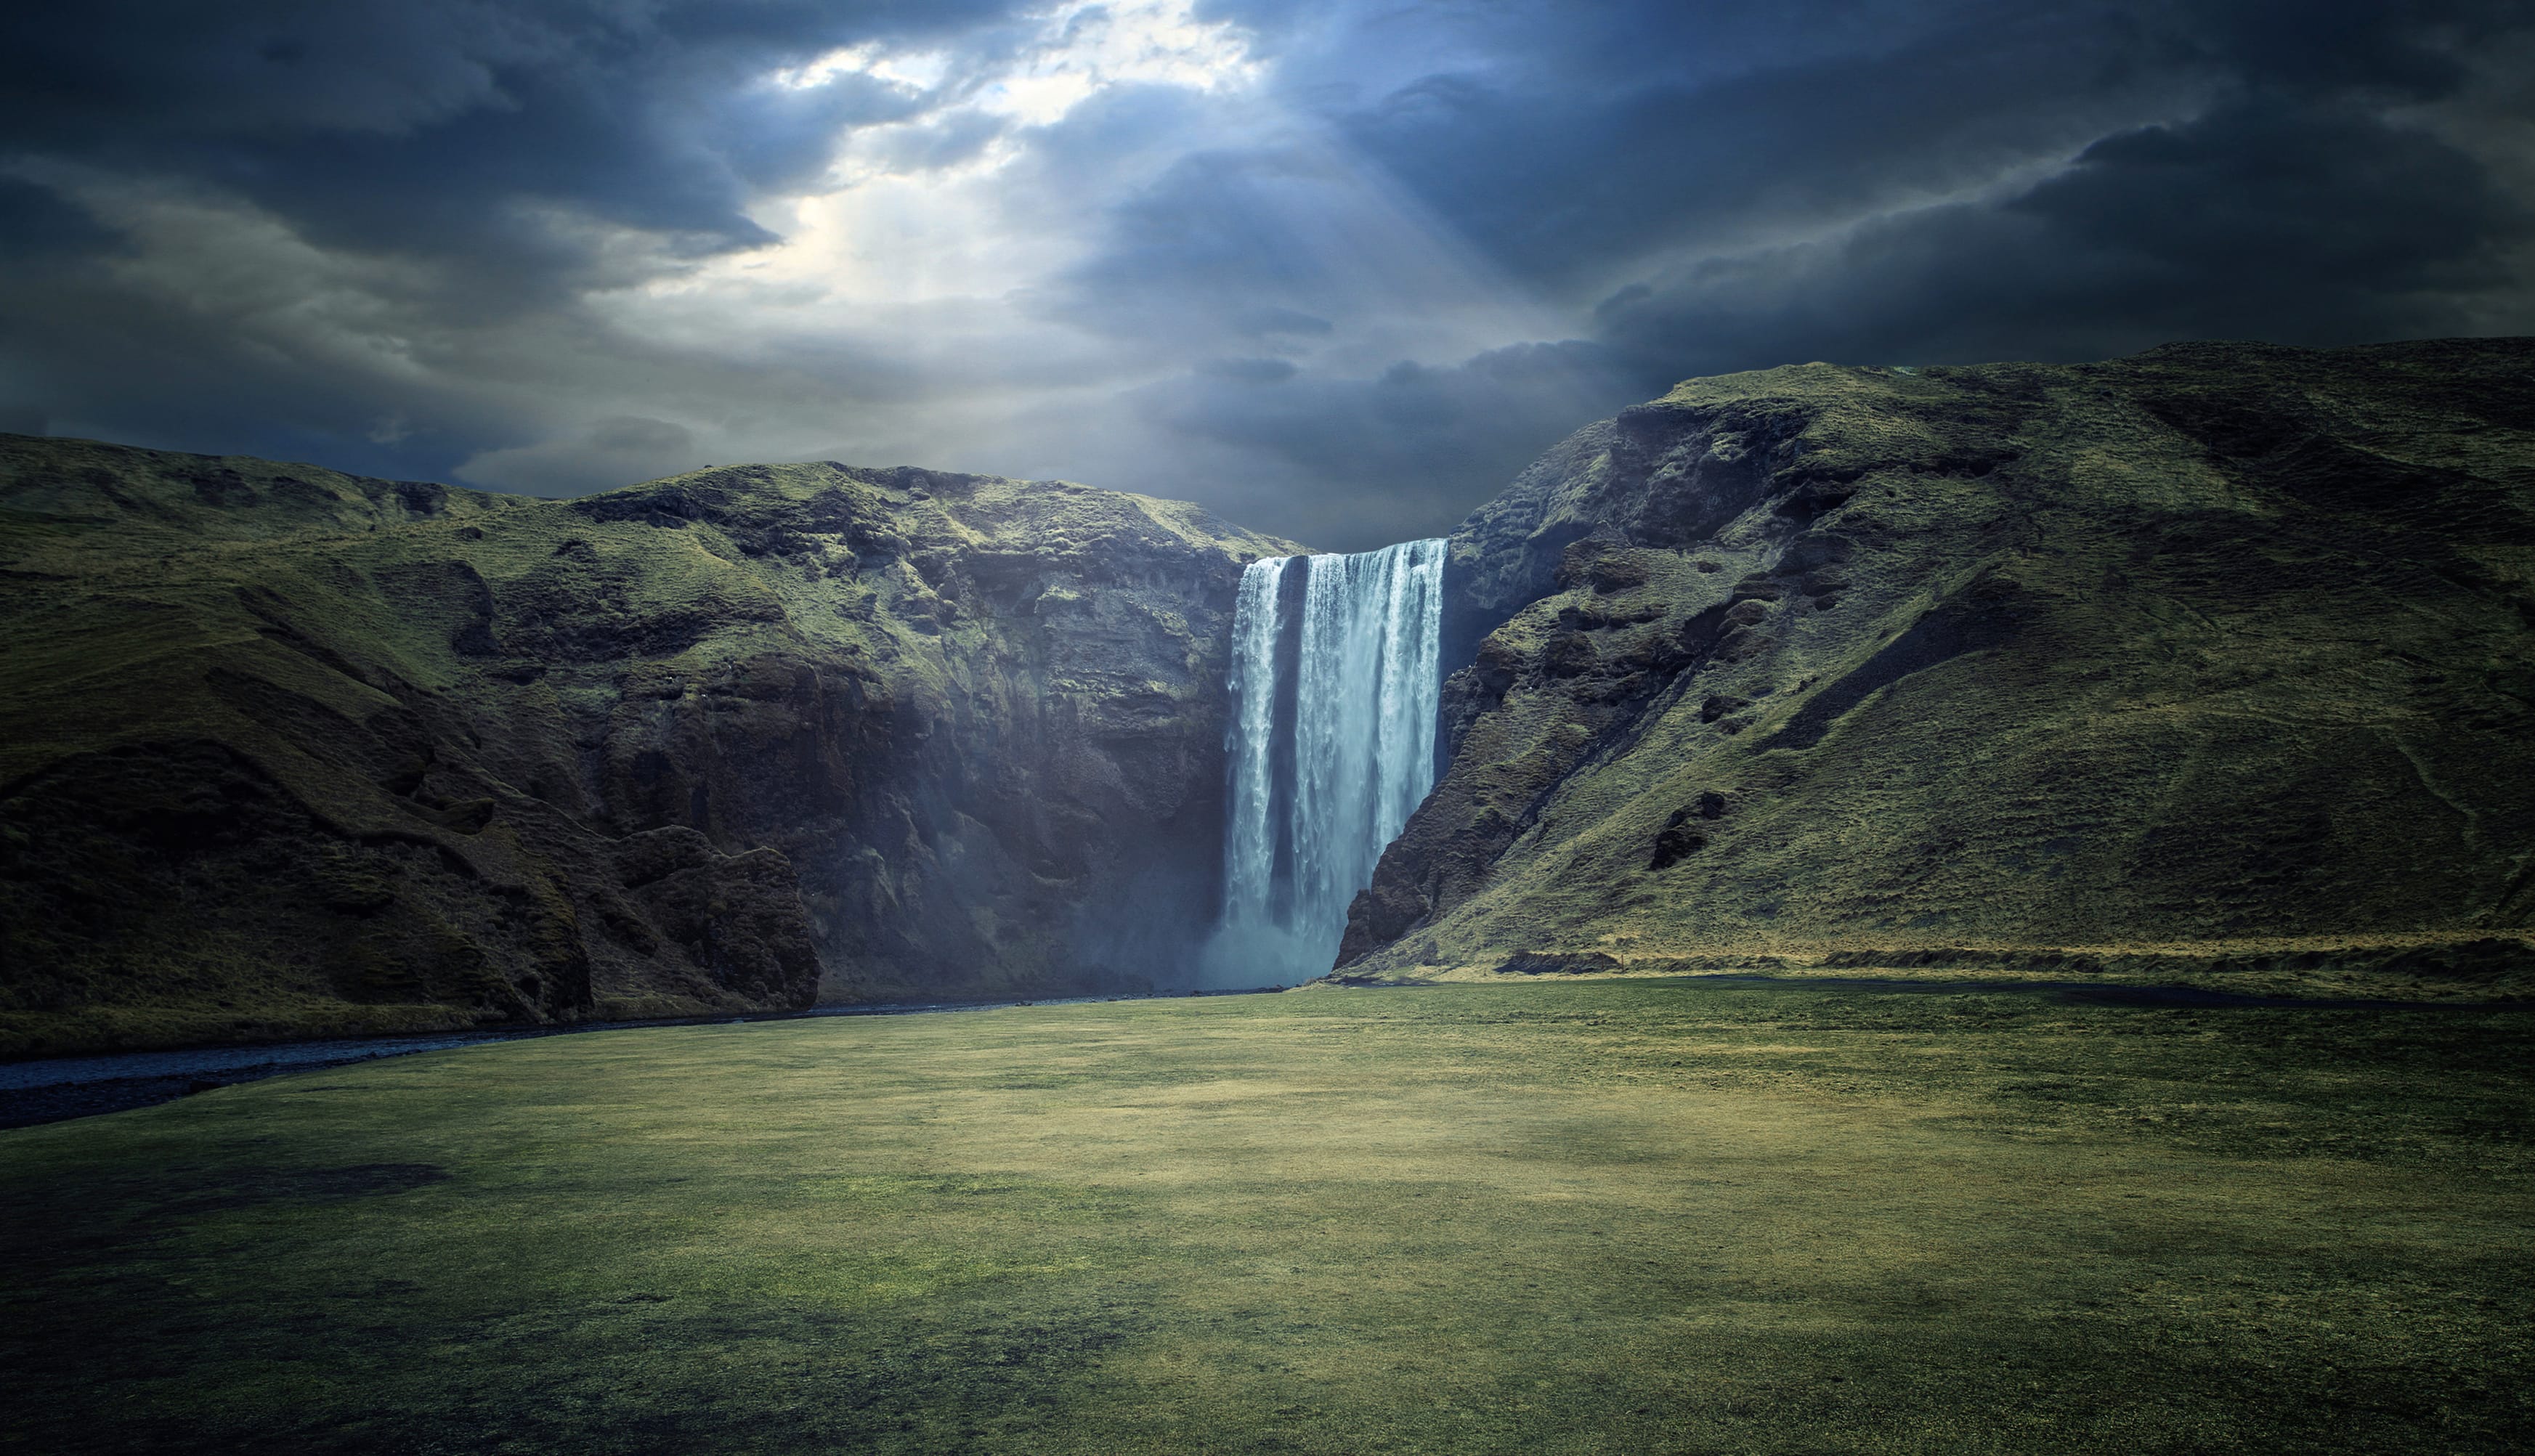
(2217,658)
(289,753)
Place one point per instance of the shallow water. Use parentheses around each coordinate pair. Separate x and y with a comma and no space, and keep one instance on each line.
(59,1087)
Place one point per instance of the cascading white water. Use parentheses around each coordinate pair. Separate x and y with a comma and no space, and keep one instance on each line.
(1250,830)
(1335,683)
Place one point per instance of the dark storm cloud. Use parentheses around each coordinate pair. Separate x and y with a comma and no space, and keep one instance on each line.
(1932,183)
(1343,294)
(1407,445)
(421,127)
(35,223)
(1583,138)
(460,163)
(2273,221)
(1645,158)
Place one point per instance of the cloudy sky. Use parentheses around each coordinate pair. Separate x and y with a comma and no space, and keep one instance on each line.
(1336,267)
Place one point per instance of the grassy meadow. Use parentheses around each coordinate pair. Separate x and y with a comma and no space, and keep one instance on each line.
(1617,1216)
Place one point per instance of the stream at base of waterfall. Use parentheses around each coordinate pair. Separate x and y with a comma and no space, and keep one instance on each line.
(1335,676)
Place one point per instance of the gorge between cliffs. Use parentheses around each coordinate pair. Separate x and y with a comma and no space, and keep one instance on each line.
(2212,662)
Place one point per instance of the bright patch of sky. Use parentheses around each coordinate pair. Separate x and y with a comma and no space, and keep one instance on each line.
(1066,54)
(921,208)
(966,254)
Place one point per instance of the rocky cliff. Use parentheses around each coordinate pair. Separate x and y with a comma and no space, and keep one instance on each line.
(288,753)
(2220,656)
(2217,659)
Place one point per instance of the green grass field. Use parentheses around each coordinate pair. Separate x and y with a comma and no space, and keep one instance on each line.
(1612,1217)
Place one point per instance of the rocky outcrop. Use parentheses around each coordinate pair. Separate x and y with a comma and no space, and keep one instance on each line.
(2223,651)
(285,753)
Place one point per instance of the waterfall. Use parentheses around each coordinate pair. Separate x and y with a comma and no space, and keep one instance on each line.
(1336,673)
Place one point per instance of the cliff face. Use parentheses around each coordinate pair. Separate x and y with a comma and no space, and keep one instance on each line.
(2220,655)
(286,753)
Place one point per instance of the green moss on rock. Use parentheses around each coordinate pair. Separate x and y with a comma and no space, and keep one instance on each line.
(2219,659)
(284,752)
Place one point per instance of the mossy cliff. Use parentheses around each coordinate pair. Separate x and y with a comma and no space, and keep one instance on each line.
(285,753)
(2219,657)
(2220,660)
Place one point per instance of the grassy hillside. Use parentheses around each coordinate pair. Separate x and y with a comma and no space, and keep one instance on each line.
(287,752)
(2216,660)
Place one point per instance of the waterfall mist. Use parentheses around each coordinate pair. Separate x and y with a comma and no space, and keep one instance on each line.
(1336,674)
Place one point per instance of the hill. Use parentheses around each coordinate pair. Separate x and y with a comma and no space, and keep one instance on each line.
(2217,659)
(288,753)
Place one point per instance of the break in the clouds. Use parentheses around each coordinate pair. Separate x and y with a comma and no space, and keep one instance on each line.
(1335,268)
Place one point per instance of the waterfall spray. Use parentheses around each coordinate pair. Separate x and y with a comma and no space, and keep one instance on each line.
(1335,676)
